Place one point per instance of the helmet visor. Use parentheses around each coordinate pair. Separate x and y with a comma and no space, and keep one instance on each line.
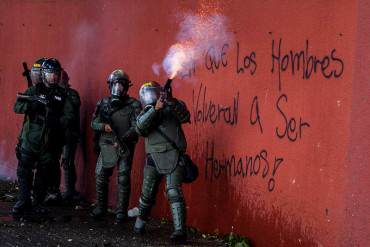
(149,95)
(35,76)
(117,89)
(51,78)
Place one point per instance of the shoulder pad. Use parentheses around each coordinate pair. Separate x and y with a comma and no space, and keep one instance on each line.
(73,92)
(105,100)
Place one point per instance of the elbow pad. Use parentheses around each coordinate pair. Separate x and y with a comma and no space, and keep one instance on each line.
(145,118)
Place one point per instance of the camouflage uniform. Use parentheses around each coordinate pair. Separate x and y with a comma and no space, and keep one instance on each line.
(163,160)
(116,148)
(69,150)
(39,147)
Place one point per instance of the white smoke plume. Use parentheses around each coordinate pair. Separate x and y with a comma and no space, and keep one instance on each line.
(197,34)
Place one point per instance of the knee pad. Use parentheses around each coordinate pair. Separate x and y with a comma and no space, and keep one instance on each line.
(123,178)
(174,194)
(104,172)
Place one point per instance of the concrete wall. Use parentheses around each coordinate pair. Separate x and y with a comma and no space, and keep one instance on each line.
(282,145)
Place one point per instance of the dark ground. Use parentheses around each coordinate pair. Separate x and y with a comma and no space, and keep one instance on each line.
(72,226)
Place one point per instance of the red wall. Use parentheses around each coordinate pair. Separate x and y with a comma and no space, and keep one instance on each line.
(297,177)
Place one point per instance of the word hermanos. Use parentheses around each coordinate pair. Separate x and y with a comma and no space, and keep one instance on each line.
(259,165)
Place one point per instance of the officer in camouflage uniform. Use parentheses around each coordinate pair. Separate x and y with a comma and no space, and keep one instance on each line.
(48,113)
(161,118)
(35,75)
(71,140)
(114,123)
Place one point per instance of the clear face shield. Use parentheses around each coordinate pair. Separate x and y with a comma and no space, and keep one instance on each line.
(50,78)
(149,95)
(36,76)
(118,90)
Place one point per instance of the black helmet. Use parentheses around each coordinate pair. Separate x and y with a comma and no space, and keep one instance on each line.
(119,82)
(36,71)
(38,63)
(51,65)
(50,71)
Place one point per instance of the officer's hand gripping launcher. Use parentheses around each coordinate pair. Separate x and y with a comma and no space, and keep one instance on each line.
(31,98)
(167,90)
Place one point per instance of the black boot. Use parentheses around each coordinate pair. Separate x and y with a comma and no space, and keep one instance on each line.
(20,209)
(53,198)
(25,178)
(178,237)
(98,213)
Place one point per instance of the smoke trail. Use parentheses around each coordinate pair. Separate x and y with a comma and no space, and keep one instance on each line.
(197,34)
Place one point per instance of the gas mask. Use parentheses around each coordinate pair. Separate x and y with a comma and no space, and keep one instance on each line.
(118,90)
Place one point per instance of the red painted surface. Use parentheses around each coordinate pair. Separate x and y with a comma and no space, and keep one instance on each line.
(318,194)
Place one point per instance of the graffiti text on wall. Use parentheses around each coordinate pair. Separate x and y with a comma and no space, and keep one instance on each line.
(300,64)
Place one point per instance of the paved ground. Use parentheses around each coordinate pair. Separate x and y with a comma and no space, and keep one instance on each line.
(71,226)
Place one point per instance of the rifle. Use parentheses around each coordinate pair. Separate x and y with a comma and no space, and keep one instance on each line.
(26,73)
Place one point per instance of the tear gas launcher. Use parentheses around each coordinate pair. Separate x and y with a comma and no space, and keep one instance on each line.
(26,73)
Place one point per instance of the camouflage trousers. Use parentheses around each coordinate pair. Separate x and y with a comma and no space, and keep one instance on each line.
(102,175)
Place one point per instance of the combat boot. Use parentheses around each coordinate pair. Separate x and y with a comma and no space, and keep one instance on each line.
(121,217)
(139,226)
(53,199)
(178,237)
(98,213)
(67,199)
(20,209)
(25,177)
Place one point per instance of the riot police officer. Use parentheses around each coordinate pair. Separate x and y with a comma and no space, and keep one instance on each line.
(160,124)
(47,112)
(72,135)
(71,138)
(35,75)
(114,123)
